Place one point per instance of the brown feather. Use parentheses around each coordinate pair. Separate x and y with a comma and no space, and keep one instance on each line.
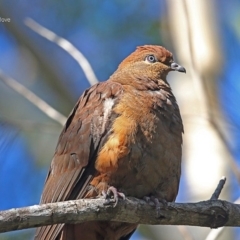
(77,149)
(126,133)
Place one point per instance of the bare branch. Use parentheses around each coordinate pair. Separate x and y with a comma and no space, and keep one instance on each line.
(33,98)
(67,46)
(219,188)
(211,213)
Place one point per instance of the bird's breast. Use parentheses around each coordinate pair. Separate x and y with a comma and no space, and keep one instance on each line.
(142,156)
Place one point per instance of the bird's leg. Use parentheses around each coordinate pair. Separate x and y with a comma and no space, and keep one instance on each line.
(112,195)
(147,199)
(157,203)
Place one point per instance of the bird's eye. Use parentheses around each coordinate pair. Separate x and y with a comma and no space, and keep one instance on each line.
(151,58)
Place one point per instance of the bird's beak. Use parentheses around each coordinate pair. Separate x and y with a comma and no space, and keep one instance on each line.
(177,67)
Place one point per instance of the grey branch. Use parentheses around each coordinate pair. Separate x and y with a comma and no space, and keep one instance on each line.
(219,188)
(211,213)
(215,233)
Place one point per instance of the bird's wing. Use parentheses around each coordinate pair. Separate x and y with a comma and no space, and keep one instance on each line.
(85,131)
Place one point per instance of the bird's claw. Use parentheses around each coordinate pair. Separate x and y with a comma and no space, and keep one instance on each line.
(158,203)
(112,196)
(147,199)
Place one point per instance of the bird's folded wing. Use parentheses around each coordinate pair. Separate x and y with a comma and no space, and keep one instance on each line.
(85,131)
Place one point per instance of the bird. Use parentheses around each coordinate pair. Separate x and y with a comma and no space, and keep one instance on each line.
(122,138)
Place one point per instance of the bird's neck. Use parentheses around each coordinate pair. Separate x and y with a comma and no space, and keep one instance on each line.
(141,83)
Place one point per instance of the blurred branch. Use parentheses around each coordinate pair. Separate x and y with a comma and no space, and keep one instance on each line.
(233,164)
(205,94)
(185,233)
(49,72)
(33,98)
(211,213)
(67,46)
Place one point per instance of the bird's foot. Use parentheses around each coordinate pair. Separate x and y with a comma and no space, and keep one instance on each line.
(158,203)
(112,196)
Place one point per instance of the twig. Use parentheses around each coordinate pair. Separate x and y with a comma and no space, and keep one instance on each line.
(33,98)
(219,188)
(67,46)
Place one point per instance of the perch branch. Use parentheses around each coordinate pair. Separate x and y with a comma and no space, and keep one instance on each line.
(211,213)
(215,233)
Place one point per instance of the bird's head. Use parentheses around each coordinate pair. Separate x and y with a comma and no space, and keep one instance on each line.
(149,62)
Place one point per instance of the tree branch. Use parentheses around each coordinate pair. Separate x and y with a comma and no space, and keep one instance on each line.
(215,233)
(211,213)
(219,188)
